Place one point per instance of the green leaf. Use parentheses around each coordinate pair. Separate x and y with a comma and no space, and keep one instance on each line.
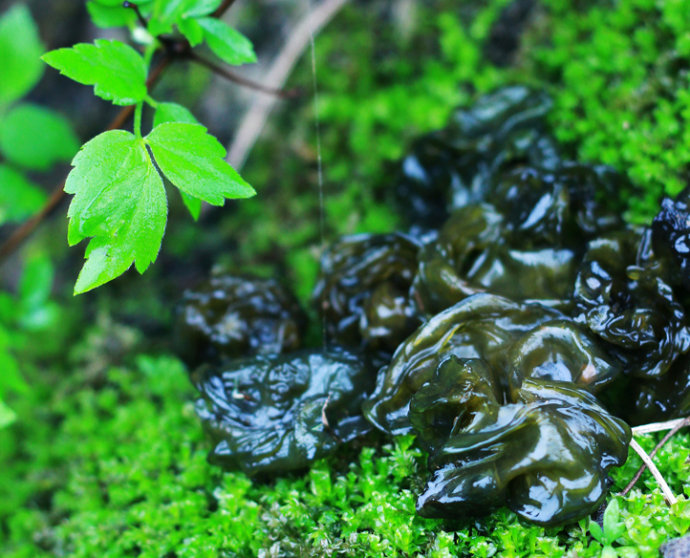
(19,198)
(595,531)
(200,8)
(110,13)
(613,526)
(165,15)
(138,242)
(110,16)
(193,161)
(36,137)
(10,379)
(7,416)
(192,31)
(228,44)
(20,53)
(172,112)
(36,311)
(116,70)
(192,204)
(119,199)
(107,170)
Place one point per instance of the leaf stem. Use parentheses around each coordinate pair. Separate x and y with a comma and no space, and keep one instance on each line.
(141,18)
(227,74)
(138,111)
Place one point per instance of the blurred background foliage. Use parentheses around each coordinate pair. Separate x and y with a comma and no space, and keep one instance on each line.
(106,456)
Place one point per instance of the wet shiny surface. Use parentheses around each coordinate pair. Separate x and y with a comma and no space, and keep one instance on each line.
(545,452)
(273,414)
(232,316)
(363,292)
(514,327)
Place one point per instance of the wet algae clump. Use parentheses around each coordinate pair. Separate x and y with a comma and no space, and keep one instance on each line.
(278,413)
(503,326)
(233,316)
(545,452)
(363,292)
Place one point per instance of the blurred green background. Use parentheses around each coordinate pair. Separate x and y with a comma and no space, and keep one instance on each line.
(106,456)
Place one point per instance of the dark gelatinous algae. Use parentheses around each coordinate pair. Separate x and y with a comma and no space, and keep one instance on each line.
(278,413)
(505,338)
(232,316)
(363,292)
(671,237)
(621,298)
(515,341)
(455,166)
(545,453)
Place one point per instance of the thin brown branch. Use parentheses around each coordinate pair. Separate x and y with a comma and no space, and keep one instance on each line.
(25,230)
(223,8)
(256,116)
(141,18)
(676,426)
(227,74)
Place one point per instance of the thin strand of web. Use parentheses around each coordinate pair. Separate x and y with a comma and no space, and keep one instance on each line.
(319,166)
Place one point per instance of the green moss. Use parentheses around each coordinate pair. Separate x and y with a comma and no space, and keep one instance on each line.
(619,75)
(118,468)
(110,461)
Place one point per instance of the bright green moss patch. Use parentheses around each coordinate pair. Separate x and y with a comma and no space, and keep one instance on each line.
(113,463)
(119,469)
(619,72)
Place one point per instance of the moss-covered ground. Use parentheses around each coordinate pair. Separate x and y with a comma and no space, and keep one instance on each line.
(107,457)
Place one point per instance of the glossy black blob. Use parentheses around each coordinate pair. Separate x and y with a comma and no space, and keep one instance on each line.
(273,414)
(545,453)
(661,399)
(457,165)
(525,245)
(363,291)
(620,296)
(475,253)
(558,207)
(482,326)
(232,316)
(671,237)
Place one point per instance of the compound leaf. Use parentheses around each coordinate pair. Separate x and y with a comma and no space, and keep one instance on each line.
(119,199)
(35,137)
(193,161)
(116,70)
(138,241)
(228,44)
(20,53)
(19,198)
